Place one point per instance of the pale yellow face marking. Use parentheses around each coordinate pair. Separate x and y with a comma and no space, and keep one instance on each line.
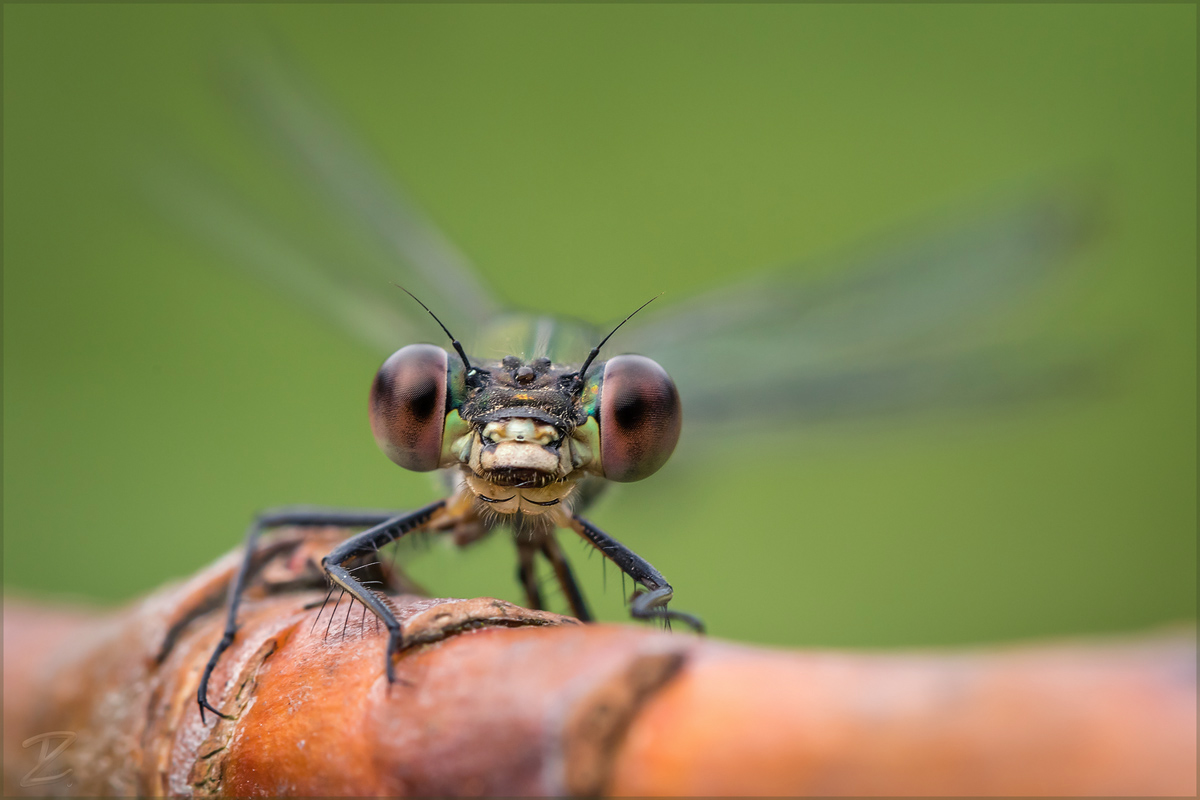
(519,429)
(519,443)
(519,455)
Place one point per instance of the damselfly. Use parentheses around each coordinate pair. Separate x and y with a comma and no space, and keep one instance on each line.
(530,431)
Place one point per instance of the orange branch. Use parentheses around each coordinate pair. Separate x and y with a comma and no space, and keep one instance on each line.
(495,699)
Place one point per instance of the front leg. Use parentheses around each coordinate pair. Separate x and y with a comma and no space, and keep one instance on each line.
(370,541)
(251,558)
(652,604)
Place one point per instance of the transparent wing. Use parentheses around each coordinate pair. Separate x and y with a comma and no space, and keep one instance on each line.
(301,271)
(292,118)
(337,233)
(893,330)
(912,325)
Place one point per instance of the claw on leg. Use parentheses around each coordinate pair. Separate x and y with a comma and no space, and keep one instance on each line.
(651,604)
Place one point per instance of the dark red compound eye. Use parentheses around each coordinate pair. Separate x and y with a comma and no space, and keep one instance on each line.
(408,406)
(640,418)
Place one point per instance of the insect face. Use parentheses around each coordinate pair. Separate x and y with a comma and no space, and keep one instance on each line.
(524,425)
(528,431)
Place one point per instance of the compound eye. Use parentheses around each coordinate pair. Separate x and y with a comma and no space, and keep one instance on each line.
(640,418)
(408,406)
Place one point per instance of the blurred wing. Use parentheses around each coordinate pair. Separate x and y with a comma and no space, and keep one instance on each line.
(342,234)
(882,333)
(906,328)
(316,283)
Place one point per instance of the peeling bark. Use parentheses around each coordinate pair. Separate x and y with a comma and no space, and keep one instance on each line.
(493,699)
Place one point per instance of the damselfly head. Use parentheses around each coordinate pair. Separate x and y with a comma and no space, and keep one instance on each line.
(532,424)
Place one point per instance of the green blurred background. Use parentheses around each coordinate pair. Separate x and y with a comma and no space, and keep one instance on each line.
(155,397)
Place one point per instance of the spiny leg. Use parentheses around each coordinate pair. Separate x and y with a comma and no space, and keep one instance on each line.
(527,575)
(566,579)
(370,541)
(301,517)
(652,604)
(333,614)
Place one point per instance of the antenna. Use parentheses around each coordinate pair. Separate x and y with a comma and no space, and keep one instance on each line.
(596,350)
(457,347)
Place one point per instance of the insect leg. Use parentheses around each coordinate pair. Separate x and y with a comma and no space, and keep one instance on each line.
(305,517)
(652,604)
(367,542)
(527,575)
(566,579)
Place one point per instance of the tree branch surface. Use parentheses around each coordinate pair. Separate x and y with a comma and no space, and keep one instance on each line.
(493,699)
